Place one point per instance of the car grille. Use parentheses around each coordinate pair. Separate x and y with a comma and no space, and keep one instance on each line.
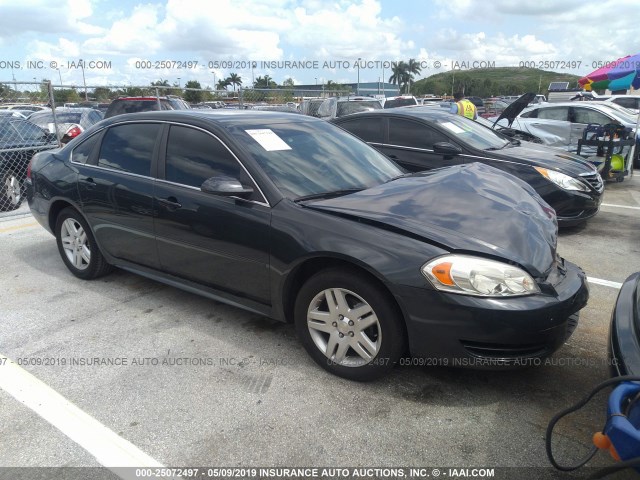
(593,179)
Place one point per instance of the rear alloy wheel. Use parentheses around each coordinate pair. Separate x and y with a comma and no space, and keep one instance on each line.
(77,246)
(349,325)
(11,194)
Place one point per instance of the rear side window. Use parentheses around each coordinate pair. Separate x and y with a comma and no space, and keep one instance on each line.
(367,129)
(586,115)
(413,134)
(129,148)
(193,156)
(83,151)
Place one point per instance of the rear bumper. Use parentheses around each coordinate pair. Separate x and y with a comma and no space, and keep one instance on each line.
(459,330)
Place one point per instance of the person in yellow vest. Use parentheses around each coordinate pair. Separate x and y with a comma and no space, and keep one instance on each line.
(463,107)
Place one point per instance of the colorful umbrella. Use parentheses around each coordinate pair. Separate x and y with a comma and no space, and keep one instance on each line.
(622,74)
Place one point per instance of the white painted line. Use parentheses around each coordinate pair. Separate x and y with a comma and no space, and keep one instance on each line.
(606,283)
(618,206)
(109,449)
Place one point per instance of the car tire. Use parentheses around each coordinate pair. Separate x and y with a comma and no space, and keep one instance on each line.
(77,246)
(363,347)
(11,194)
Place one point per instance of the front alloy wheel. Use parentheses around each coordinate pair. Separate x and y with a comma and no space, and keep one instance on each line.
(344,327)
(349,324)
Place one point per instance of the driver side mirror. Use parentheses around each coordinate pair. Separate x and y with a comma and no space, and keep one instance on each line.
(447,149)
(225,186)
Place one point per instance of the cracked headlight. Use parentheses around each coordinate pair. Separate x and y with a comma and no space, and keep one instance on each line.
(478,276)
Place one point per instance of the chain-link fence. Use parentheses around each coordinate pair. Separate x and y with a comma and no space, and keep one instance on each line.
(20,139)
(38,116)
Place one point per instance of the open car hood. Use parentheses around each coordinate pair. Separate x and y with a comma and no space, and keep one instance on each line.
(470,208)
(513,110)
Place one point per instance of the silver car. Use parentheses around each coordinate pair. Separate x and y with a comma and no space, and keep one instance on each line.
(561,124)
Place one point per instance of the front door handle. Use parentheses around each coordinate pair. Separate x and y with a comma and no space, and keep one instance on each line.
(171,203)
(395,157)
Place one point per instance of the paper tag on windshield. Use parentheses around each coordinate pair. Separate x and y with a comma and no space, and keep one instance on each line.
(51,127)
(268,139)
(452,127)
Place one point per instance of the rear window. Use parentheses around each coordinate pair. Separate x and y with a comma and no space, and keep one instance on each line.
(62,117)
(118,107)
(400,102)
(347,108)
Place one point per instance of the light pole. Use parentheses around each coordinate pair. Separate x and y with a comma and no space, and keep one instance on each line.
(179,84)
(383,84)
(358,84)
(60,75)
(214,80)
(316,81)
(84,81)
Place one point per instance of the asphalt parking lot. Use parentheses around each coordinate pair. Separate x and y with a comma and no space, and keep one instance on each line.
(205,384)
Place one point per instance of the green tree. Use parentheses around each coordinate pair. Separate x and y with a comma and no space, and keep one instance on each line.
(264,82)
(222,84)
(413,68)
(234,80)
(398,73)
(288,82)
(193,96)
(102,94)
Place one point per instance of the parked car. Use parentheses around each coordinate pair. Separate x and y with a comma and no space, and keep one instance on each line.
(336,107)
(632,102)
(624,333)
(423,138)
(23,106)
(14,113)
(144,104)
(71,121)
(562,124)
(400,101)
(19,141)
(295,219)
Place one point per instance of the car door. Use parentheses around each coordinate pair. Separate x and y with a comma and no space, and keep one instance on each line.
(580,118)
(115,185)
(551,124)
(218,241)
(410,144)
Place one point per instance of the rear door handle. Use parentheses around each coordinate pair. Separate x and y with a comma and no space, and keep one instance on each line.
(171,203)
(90,183)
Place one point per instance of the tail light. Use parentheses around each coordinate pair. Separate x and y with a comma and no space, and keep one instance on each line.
(73,132)
(29,170)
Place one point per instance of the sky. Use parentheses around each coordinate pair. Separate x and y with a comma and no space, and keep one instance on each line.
(130,42)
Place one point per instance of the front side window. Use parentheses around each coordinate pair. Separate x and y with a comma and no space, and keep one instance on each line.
(194,156)
(129,147)
(586,115)
(554,113)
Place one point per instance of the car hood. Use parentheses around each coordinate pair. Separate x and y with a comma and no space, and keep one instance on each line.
(514,108)
(470,208)
(547,157)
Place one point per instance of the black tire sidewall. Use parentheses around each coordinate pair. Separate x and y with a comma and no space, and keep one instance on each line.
(389,318)
(92,270)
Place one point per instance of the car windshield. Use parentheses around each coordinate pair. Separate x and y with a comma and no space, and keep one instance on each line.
(312,158)
(472,133)
(347,108)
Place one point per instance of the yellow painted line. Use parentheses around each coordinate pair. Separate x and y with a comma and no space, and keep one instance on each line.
(18,227)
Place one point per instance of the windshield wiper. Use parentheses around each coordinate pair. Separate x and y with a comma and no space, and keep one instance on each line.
(332,194)
(498,148)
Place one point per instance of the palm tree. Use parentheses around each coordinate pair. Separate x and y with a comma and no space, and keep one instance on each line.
(398,73)
(222,84)
(413,67)
(264,82)
(234,79)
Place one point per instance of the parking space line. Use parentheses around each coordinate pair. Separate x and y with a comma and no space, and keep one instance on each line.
(18,227)
(108,448)
(619,206)
(606,283)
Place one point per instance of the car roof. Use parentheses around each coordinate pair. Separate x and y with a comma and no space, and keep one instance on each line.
(220,116)
(413,111)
